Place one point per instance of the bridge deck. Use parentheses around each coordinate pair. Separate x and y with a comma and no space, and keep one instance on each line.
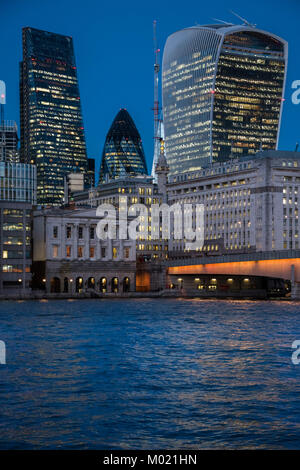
(283,264)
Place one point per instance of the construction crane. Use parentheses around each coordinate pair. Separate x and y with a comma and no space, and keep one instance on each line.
(156,80)
(245,22)
(156,107)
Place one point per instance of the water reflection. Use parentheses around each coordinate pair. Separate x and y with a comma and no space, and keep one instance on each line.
(149,374)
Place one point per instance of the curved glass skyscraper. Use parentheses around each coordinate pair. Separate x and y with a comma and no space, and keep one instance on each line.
(222,93)
(123,152)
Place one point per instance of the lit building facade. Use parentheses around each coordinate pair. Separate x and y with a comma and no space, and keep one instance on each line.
(151,251)
(52,133)
(223,89)
(250,204)
(18,182)
(8,141)
(69,258)
(123,151)
(17,195)
(137,190)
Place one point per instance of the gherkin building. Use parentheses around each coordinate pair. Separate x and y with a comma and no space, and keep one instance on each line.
(123,152)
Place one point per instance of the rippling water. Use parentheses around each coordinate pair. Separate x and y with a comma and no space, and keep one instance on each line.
(121,374)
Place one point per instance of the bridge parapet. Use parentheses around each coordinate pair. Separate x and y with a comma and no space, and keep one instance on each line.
(283,264)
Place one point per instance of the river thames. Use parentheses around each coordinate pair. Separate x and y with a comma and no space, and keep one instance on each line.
(149,374)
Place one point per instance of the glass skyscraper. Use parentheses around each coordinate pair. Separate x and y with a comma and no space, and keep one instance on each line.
(8,141)
(223,90)
(123,152)
(17,195)
(52,133)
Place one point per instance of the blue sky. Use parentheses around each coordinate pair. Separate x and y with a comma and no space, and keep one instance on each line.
(114,53)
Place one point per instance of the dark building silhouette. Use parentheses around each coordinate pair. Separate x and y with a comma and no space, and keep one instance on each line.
(91,172)
(123,152)
(52,133)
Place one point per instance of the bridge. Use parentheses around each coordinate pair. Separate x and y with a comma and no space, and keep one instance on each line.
(283,265)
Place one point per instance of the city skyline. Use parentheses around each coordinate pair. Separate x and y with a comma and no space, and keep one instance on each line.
(132,86)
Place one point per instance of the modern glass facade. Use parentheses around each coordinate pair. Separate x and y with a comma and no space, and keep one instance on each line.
(17,182)
(17,195)
(52,133)
(15,246)
(222,94)
(8,141)
(123,152)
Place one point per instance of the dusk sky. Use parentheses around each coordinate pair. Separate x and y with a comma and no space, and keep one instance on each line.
(114,53)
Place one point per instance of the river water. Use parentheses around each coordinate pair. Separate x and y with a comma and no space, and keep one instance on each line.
(149,374)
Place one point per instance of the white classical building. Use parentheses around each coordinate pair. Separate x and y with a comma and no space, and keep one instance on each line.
(250,203)
(69,257)
(136,190)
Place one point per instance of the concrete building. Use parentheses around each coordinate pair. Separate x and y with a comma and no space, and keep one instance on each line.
(251,203)
(150,252)
(138,189)
(69,257)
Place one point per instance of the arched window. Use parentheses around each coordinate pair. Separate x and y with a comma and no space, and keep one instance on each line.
(115,285)
(66,284)
(79,284)
(55,285)
(126,284)
(103,284)
(91,283)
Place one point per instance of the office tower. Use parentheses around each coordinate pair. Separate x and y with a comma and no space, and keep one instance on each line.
(123,152)
(250,203)
(17,195)
(52,133)
(91,173)
(8,142)
(223,90)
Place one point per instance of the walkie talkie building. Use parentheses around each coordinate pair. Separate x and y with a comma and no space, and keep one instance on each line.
(223,90)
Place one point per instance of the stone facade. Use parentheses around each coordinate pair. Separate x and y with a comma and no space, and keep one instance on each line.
(138,190)
(69,257)
(251,204)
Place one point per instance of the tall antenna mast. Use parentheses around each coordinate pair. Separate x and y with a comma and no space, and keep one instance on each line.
(156,79)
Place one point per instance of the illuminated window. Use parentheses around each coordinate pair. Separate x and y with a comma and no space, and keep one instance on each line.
(92,252)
